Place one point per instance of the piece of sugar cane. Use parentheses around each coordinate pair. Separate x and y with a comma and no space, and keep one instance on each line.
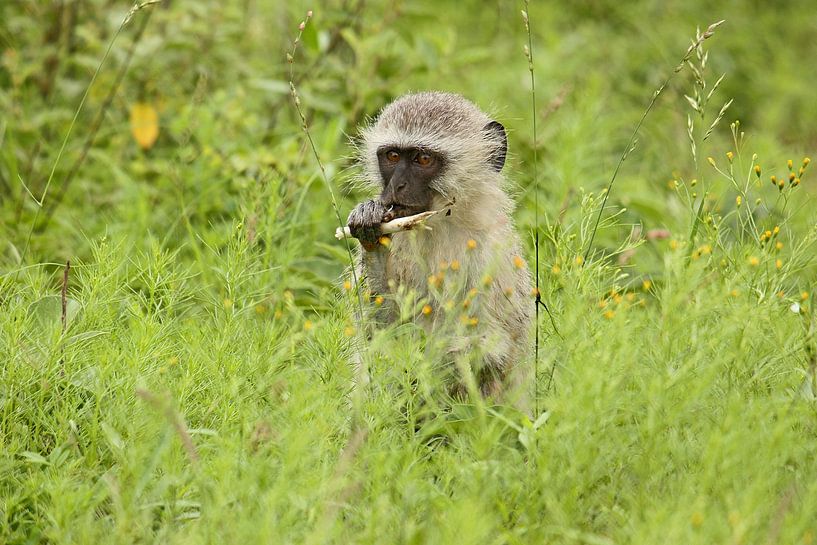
(394,226)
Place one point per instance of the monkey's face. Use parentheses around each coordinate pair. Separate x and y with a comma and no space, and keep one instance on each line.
(407,174)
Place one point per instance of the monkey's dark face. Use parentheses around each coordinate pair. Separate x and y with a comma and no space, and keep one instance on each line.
(407,174)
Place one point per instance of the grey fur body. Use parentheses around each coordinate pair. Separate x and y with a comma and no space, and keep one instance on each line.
(477,234)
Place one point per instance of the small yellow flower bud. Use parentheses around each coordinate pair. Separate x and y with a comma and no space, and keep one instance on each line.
(378,300)
(579,260)
(308,325)
(754,261)
(455,265)
(426,310)
(734,293)
(738,200)
(556,269)
(472,292)
(778,245)
(384,241)
(778,263)
(349,331)
(767,234)
(228,303)
(347,285)
(471,244)
(758,201)
(693,183)
(776,230)
(730,156)
(781,184)
(806,161)
(487,280)
(804,295)
(796,182)
(518,262)
(443,265)
(790,164)
(774,180)
(757,170)
(711,161)
(278,314)
(646,285)
(609,314)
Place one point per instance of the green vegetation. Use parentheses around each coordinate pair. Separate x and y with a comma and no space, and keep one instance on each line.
(197,386)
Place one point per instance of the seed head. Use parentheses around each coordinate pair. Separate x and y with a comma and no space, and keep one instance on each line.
(302,26)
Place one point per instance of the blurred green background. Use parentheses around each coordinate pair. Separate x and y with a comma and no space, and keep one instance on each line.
(216,74)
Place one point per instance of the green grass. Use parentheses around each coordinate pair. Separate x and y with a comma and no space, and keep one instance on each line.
(200,389)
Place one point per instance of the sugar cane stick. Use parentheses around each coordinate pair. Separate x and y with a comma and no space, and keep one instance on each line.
(394,226)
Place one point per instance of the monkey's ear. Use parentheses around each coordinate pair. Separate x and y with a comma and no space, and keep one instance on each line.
(496,132)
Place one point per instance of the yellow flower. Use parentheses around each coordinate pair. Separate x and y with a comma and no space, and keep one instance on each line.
(757,170)
(347,285)
(308,325)
(754,261)
(738,200)
(471,244)
(579,260)
(455,265)
(778,263)
(730,156)
(609,314)
(646,285)
(804,295)
(349,331)
(384,241)
(518,262)
(378,300)
(556,269)
(427,310)
(778,245)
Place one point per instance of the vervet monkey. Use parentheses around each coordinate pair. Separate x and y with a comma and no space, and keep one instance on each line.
(438,151)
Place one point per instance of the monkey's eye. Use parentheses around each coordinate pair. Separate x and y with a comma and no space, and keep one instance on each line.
(424,159)
(392,156)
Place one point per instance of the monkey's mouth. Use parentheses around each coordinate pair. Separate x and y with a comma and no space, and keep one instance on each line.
(396,210)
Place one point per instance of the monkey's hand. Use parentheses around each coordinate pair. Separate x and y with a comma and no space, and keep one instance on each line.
(364,223)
